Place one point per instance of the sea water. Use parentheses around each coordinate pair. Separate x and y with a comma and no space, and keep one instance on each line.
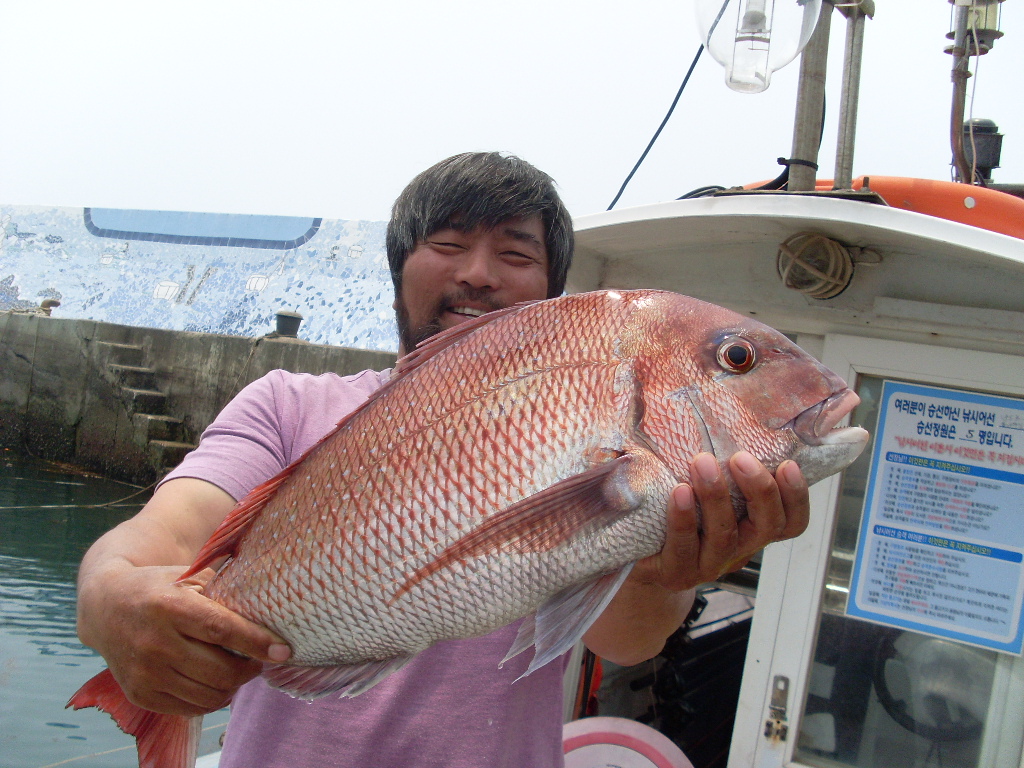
(49,515)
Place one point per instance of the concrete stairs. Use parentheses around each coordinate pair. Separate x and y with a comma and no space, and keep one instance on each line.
(162,434)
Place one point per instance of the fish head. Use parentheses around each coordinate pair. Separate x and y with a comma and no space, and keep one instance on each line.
(742,385)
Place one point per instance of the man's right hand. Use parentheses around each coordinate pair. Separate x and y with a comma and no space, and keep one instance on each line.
(165,642)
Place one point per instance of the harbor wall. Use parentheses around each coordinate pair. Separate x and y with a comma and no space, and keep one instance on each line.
(127,401)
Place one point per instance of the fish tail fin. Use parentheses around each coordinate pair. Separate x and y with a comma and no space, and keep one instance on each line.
(163,741)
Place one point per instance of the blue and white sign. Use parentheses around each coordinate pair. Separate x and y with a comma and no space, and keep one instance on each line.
(941,548)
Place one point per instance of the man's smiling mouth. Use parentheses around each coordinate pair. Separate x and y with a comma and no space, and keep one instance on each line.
(467,311)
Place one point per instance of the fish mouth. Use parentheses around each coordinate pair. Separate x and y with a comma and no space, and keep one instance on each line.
(817,424)
(826,448)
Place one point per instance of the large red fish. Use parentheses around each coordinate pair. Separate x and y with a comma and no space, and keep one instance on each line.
(515,465)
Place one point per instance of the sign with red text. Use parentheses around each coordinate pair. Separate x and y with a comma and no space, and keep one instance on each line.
(941,548)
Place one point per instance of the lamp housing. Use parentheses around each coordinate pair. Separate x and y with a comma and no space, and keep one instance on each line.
(754,38)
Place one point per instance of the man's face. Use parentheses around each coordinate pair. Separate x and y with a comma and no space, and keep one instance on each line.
(454,276)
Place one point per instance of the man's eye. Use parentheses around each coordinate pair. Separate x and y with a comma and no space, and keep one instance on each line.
(516,256)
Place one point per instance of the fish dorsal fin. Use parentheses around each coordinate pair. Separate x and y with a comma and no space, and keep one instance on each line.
(590,500)
(427,349)
(314,682)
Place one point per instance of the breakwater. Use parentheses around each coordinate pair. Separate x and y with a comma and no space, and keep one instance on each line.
(127,401)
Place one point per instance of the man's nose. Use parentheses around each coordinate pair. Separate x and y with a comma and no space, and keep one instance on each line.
(477,269)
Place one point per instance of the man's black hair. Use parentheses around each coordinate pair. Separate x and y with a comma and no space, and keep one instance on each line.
(479,189)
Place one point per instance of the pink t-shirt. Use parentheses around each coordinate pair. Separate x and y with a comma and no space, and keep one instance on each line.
(451,707)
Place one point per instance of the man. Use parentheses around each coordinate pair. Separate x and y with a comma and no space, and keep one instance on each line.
(475,233)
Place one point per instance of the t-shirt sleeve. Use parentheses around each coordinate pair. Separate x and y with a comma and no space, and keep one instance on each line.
(246,444)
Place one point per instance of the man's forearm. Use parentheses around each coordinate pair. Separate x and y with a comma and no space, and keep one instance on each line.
(128,546)
(167,532)
(635,625)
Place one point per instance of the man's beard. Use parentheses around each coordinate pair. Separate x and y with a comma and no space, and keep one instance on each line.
(410,337)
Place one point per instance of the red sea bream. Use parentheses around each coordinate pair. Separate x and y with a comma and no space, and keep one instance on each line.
(515,465)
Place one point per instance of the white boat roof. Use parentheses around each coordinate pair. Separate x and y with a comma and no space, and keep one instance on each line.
(929,274)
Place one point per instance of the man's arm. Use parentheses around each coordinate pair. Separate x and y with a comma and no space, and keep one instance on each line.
(164,642)
(654,600)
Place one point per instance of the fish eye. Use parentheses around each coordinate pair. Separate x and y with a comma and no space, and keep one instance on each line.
(736,355)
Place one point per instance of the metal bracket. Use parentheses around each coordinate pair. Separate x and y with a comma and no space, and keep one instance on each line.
(776,727)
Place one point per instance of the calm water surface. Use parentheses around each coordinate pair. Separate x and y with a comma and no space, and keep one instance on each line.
(46,524)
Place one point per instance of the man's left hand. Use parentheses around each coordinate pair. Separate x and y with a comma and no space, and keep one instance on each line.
(701,547)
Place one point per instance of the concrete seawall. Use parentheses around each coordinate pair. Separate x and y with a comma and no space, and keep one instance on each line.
(129,402)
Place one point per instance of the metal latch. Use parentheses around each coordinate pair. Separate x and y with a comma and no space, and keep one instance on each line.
(775,727)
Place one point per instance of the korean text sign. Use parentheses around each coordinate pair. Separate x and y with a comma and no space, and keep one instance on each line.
(941,548)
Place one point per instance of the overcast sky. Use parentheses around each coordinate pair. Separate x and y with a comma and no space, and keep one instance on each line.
(329,108)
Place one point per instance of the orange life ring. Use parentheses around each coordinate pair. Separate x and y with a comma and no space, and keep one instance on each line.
(966,203)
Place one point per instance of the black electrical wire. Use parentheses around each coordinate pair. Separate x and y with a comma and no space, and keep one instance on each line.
(702,192)
(589,667)
(657,133)
(782,180)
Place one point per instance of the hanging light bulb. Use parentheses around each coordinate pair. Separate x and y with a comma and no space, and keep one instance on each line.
(753,38)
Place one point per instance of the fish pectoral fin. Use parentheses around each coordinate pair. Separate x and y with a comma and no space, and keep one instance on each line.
(314,682)
(562,621)
(589,501)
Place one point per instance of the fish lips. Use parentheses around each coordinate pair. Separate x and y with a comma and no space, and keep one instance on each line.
(826,448)
(816,425)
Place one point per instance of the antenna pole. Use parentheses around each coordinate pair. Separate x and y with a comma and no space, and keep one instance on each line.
(855,20)
(960,75)
(810,101)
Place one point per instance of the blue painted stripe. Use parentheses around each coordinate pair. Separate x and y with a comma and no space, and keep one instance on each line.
(223,229)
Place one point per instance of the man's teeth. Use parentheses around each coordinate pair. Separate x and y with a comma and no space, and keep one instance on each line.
(468,311)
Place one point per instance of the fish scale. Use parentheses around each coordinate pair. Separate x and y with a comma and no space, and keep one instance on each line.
(467,445)
(514,467)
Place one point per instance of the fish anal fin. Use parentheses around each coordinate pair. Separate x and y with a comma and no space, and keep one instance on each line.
(588,501)
(163,741)
(314,682)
